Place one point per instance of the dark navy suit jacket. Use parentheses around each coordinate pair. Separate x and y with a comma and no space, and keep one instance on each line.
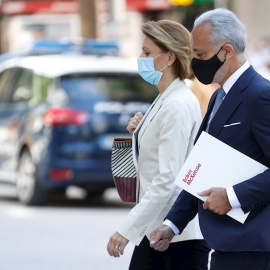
(247,102)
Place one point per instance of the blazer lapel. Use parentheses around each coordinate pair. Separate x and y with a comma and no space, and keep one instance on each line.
(173,86)
(205,119)
(231,102)
(135,142)
(228,106)
(154,111)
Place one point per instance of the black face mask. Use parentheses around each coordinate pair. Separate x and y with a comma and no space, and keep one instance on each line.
(205,70)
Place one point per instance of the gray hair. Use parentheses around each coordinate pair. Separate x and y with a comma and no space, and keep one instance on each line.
(225,27)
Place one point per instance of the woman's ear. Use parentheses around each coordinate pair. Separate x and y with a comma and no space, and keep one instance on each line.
(171,58)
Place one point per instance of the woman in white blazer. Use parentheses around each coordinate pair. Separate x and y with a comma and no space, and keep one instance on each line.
(162,140)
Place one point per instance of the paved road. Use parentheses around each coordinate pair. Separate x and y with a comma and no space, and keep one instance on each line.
(65,235)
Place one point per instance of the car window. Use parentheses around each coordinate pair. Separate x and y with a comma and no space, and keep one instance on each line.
(41,86)
(22,90)
(5,83)
(108,87)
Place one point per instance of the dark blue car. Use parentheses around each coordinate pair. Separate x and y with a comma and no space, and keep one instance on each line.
(58,117)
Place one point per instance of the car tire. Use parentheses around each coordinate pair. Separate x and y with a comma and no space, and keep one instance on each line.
(28,190)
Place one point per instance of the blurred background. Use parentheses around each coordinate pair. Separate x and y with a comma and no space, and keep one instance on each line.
(71,20)
(68,86)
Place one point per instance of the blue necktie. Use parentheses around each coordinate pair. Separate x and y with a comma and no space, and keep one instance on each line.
(220,96)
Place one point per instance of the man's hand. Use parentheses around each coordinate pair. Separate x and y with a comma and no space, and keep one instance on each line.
(161,237)
(217,201)
(117,244)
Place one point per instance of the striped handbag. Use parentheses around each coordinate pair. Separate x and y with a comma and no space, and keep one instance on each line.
(123,169)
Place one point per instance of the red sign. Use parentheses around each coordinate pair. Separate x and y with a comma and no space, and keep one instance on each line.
(148,5)
(30,7)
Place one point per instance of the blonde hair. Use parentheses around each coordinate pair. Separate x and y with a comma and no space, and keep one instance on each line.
(174,37)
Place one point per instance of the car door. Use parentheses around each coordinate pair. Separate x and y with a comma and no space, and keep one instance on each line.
(15,95)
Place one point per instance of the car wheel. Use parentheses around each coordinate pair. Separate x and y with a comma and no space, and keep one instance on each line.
(28,190)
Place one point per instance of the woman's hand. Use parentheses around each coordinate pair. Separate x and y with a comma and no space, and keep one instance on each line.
(117,244)
(134,122)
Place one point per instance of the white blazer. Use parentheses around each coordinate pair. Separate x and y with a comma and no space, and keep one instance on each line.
(171,124)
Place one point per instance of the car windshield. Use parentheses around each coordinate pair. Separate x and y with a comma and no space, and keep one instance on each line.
(108,87)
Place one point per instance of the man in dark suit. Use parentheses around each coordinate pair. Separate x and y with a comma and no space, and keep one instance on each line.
(238,115)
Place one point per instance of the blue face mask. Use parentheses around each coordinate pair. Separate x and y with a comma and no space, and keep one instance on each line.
(147,69)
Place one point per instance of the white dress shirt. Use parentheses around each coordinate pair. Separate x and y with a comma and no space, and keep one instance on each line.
(234,202)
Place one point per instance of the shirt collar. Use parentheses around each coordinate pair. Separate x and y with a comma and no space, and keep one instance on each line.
(234,77)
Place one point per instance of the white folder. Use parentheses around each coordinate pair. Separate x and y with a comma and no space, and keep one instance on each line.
(213,163)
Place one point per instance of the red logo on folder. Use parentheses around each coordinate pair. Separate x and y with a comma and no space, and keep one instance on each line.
(191,175)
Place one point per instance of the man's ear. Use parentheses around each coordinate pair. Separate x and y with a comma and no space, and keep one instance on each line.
(229,51)
(171,58)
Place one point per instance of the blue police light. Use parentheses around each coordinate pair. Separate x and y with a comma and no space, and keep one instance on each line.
(45,46)
(100,47)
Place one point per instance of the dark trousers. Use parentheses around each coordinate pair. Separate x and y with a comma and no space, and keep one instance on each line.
(184,255)
(240,261)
